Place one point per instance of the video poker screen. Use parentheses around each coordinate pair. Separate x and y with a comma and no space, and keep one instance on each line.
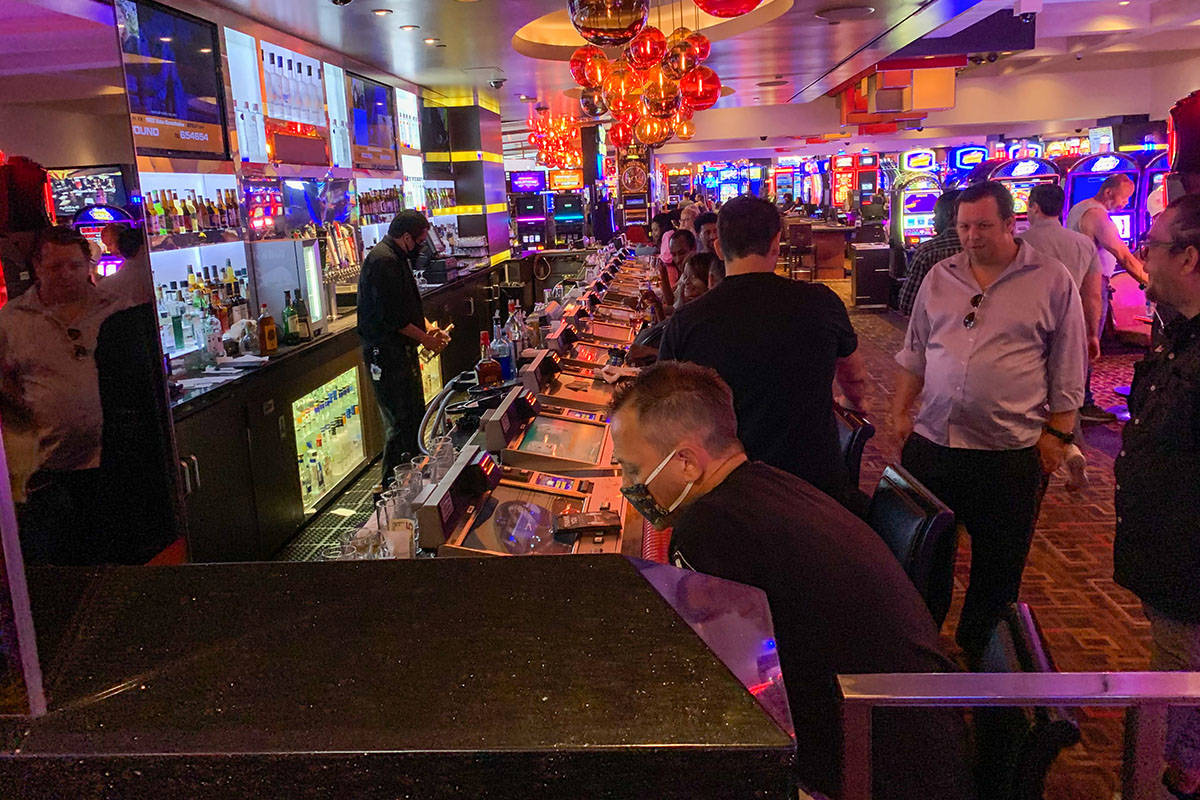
(520,522)
(560,438)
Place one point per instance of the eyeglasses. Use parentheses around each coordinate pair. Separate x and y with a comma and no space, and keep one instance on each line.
(80,351)
(1143,252)
(969,319)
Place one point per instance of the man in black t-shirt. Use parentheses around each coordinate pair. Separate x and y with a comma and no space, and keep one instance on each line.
(839,600)
(779,344)
(391,326)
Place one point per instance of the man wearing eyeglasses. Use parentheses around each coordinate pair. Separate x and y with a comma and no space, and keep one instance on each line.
(996,338)
(1157,549)
(49,378)
(391,325)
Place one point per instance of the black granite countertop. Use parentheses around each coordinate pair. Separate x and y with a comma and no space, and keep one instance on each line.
(410,668)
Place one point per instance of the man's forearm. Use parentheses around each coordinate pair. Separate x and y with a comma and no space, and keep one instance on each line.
(851,376)
(1062,421)
(908,386)
(414,333)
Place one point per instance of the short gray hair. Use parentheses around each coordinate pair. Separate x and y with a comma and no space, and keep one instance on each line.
(674,399)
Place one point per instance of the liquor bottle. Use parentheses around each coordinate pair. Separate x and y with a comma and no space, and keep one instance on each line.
(515,330)
(287,318)
(235,210)
(303,320)
(220,308)
(214,214)
(151,217)
(488,371)
(268,334)
(161,224)
(176,312)
(192,281)
(173,217)
(229,276)
(164,318)
(193,333)
(186,219)
(213,347)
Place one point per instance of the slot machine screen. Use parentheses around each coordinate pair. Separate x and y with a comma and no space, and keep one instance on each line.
(1122,221)
(591,353)
(76,189)
(560,438)
(1020,192)
(614,332)
(1085,186)
(568,208)
(520,522)
(920,202)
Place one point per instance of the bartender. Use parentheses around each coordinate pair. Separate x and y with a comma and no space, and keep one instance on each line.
(391,325)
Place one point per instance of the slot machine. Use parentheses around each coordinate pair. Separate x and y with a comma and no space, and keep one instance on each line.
(565,385)
(526,192)
(914,195)
(1151,193)
(1020,176)
(1085,176)
(485,508)
(527,434)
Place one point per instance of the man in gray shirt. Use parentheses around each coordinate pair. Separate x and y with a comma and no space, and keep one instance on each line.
(1079,255)
(996,337)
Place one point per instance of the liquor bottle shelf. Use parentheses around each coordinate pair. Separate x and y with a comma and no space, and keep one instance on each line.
(180,241)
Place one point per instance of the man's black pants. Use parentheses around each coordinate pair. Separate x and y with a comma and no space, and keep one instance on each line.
(995,495)
(397,381)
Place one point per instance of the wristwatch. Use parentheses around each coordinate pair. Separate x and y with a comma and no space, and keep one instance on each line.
(1065,438)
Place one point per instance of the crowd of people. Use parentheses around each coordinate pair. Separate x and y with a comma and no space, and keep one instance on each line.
(730,440)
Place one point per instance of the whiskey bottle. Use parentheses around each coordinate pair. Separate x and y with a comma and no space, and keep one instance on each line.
(488,371)
(268,334)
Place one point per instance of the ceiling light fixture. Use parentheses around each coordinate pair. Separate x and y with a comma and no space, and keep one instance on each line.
(431,40)
(844,13)
(165,39)
(1123,2)
(381,12)
(206,50)
(409,27)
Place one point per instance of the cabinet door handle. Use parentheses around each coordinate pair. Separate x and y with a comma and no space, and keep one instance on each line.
(195,469)
(187,478)
(471,300)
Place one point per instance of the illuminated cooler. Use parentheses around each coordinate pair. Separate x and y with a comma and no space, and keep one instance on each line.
(329,436)
(482,508)
(532,436)
(570,387)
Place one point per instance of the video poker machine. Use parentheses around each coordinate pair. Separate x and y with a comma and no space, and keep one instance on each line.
(530,435)
(1085,175)
(1020,176)
(484,508)
(569,386)
(914,194)
(855,179)
(527,191)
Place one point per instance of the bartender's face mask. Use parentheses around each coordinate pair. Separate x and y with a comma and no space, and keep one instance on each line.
(639,495)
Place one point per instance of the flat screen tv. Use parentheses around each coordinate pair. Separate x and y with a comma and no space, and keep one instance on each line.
(372,123)
(76,189)
(173,78)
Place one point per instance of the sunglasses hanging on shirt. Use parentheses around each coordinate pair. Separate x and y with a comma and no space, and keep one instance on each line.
(969,319)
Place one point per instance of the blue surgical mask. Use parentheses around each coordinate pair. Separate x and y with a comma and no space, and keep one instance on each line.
(640,498)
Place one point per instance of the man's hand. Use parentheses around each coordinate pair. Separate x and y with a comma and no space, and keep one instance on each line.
(435,340)
(1052,451)
(1093,346)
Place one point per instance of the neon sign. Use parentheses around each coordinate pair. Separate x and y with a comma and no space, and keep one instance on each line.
(969,157)
(918,161)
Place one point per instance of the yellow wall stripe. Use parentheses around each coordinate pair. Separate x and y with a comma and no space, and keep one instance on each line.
(496,259)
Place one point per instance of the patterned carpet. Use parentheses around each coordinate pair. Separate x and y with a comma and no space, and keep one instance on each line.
(1089,621)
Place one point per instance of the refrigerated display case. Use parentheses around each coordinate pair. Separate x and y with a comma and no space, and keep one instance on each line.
(329,436)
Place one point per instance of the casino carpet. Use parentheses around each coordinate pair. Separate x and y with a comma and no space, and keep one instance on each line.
(1089,621)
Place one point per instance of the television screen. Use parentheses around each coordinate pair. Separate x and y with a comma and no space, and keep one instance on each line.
(523,182)
(568,208)
(1020,192)
(1123,223)
(920,202)
(76,189)
(173,78)
(372,124)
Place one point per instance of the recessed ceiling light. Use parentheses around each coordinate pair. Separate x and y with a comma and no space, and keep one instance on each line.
(431,40)
(409,27)
(769,84)
(1123,3)
(205,49)
(165,39)
(844,13)
(381,12)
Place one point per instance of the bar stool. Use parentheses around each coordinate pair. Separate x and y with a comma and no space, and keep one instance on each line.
(802,260)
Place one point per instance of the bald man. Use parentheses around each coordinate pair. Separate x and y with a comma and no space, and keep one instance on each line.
(1091,218)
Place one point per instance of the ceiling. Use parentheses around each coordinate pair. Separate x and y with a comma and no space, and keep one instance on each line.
(62,52)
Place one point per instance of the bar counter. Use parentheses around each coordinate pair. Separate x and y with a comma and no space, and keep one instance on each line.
(451,678)
(236,441)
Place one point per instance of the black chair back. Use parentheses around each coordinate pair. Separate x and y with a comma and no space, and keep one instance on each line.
(1016,746)
(853,430)
(921,532)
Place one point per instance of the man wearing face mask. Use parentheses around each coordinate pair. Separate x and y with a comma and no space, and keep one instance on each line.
(391,325)
(840,602)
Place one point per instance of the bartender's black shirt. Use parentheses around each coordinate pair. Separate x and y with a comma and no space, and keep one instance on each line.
(841,604)
(1157,547)
(388,299)
(776,343)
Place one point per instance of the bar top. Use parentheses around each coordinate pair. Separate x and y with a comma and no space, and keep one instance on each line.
(377,656)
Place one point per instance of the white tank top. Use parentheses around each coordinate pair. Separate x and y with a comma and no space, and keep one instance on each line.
(1108,262)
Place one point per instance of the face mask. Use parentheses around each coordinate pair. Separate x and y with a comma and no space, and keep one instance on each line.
(640,498)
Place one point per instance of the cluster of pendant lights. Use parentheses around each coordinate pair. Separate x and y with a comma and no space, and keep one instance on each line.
(658,81)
